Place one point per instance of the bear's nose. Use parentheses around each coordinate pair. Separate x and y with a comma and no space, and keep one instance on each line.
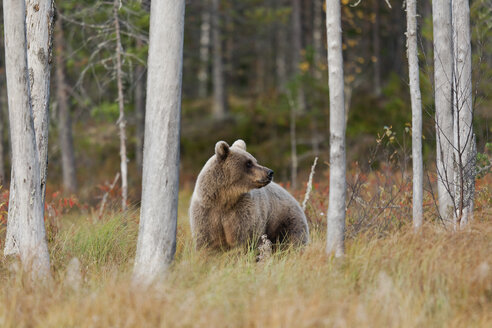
(270,174)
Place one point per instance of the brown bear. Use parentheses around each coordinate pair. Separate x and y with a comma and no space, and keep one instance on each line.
(235,201)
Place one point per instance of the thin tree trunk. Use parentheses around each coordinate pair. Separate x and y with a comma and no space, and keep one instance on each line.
(280,56)
(2,152)
(25,225)
(443,72)
(121,106)
(376,48)
(336,203)
(39,32)
(318,38)
(219,107)
(293,142)
(157,233)
(296,51)
(64,119)
(464,138)
(416,101)
(139,103)
(204,51)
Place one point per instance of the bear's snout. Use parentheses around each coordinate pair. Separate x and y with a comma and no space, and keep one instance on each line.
(270,175)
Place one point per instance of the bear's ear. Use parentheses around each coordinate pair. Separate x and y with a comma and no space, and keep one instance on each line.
(221,150)
(239,144)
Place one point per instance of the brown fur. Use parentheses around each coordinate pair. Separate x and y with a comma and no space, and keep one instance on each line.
(235,201)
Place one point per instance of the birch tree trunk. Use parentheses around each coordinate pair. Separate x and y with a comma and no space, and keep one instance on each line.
(39,31)
(443,76)
(219,107)
(204,50)
(464,138)
(64,119)
(121,106)
(157,233)
(25,225)
(336,201)
(416,101)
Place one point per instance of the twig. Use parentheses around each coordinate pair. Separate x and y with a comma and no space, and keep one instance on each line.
(309,185)
(105,197)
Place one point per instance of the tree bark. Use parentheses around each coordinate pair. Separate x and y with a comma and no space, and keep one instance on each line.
(204,51)
(280,56)
(64,119)
(39,31)
(157,233)
(219,107)
(464,138)
(139,103)
(2,152)
(416,101)
(443,76)
(121,106)
(336,202)
(25,225)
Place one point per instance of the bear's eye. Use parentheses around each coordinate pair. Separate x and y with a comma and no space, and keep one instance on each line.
(249,164)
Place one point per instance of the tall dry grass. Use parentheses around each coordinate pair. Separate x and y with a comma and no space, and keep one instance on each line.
(436,278)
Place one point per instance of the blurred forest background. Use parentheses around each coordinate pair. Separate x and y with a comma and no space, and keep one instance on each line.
(254,70)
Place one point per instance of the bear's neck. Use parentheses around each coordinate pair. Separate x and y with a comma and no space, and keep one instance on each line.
(214,193)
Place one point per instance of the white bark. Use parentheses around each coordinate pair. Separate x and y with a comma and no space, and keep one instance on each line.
(336,204)
(443,76)
(121,106)
(464,138)
(25,226)
(416,101)
(219,106)
(39,31)
(157,234)
(204,50)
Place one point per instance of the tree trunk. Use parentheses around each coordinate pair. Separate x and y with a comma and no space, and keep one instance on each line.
(139,103)
(416,101)
(64,119)
(336,203)
(376,48)
(25,225)
(219,107)
(157,234)
(443,72)
(280,56)
(39,31)
(2,152)
(204,51)
(464,138)
(318,38)
(121,106)
(296,52)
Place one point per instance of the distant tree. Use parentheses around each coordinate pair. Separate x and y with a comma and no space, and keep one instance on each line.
(219,106)
(416,100)
(64,119)
(443,72)
(336,202)
(25,225)
(464,138)
(204,50)
(157,233)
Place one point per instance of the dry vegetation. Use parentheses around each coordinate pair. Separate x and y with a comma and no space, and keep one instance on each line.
(435,278)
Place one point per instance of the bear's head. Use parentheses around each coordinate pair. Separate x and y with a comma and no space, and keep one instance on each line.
(238,168)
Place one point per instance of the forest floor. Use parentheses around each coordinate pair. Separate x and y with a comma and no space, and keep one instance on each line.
(389,277)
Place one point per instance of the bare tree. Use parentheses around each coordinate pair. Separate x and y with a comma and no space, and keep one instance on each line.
(64,119)
(464,138)
(336,204)
(296,50)
(416,100)
(443,72)
(318,37)
(204,50)
(219,107)
(157,234)
(25,226)
(121,107)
